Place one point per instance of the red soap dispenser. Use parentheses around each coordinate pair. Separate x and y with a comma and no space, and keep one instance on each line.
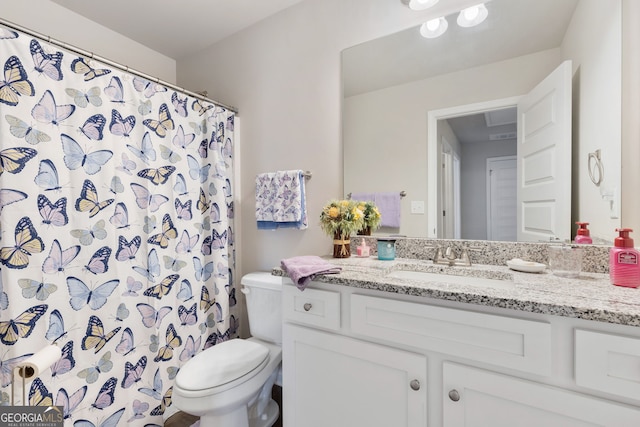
(583,236)
(624,266)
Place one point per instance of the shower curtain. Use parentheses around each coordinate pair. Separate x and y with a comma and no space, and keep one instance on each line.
(116,216)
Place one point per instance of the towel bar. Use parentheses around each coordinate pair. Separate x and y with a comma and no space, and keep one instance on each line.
(402,194)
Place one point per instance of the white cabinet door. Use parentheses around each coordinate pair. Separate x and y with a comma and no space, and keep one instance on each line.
(473,397)
(335,381)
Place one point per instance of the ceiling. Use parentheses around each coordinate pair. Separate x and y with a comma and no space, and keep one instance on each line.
(513,28)
(483,127)
(176,28)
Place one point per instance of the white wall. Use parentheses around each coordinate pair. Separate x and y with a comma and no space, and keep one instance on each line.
(393,123)
(59,23)
(593,43)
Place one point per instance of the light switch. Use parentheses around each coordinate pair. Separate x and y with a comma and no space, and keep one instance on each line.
(417,207)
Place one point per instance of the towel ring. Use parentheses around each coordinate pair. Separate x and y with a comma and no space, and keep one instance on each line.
(596,170)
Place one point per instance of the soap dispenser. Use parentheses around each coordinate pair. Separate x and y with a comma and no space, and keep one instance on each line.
(583,236)
(624,269)
(363,249)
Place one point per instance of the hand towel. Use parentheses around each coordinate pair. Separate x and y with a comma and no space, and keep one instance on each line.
(389,206)
(265,196)
(303,269)
(281,200)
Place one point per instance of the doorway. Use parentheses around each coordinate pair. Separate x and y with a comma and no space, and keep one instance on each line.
(469,134)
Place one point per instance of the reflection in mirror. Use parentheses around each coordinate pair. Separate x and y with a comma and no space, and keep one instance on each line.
(392,84)
(478,152)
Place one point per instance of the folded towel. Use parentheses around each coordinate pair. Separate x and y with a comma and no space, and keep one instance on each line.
(265,196)
(303,269)
(281,200)
(389,206)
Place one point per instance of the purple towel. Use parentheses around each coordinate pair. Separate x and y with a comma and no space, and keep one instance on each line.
(303,269)
(389,206)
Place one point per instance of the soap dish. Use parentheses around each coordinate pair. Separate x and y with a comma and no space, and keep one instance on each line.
(526,266)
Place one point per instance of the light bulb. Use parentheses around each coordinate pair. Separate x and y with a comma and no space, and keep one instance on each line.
(421,4)
(473,15)
(434,28)
(433,24)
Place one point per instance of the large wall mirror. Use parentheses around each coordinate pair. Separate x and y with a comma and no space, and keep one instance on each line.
(438,118)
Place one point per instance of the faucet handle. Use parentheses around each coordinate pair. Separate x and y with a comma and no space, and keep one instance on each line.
(464,255)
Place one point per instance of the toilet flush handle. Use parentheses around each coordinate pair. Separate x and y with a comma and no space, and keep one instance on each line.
(245,291)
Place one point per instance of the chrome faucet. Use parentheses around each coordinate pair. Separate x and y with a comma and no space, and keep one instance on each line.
(448,257)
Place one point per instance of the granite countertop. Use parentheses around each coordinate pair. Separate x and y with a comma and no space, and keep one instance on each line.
(589,297)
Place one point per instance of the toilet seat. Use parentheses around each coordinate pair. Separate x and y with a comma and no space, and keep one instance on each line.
(222,364)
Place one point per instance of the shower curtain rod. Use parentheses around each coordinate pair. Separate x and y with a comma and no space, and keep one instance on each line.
(82,52)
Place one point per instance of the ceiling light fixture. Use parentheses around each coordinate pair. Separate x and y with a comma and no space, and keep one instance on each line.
(421,4)
(473,15)
(434,28)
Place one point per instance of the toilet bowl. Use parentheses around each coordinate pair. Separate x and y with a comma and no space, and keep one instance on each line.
(230,383)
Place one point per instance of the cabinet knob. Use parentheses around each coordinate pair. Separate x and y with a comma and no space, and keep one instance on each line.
(415,385)
(307,306)
(454,395)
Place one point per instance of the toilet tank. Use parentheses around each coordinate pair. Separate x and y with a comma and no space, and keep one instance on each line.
(263,294)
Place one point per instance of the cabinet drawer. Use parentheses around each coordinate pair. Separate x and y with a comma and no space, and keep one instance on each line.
(519,344)
(312,307)
(609,363)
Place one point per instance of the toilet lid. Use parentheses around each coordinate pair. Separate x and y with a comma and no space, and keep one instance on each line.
(221,364)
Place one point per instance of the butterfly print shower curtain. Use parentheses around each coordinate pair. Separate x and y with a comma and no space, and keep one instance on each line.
(116,216)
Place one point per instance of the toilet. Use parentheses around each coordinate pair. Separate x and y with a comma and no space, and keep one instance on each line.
(230,383)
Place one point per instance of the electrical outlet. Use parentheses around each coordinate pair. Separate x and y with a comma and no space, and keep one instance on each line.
(417,207)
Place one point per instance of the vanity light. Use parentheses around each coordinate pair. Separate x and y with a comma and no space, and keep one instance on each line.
(473,15)
(434,28)
(421,4)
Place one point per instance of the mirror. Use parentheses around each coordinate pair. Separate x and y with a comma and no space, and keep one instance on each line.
(392,84)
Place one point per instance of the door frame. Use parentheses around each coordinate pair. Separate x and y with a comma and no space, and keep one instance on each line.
(433,154)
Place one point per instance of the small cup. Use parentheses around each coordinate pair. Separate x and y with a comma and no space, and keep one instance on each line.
(565,260)
(386,249)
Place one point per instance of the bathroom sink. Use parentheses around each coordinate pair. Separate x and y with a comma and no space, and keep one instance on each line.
(423,276)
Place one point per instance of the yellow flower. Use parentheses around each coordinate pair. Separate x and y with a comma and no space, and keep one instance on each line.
(357,213)
(341,217)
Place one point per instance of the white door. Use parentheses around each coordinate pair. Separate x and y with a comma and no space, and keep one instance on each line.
(447,191)
(544,159)
(478,398)
(501,198)
(335,381)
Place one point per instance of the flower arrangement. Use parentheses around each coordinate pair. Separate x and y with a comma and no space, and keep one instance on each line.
(343,217)
(372,217)
(340,219)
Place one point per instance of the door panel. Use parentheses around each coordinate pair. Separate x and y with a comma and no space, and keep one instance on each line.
(544,159)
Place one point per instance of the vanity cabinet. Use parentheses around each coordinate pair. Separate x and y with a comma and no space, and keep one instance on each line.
(481,398)
(356,357)
(344,382)
(335,380)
